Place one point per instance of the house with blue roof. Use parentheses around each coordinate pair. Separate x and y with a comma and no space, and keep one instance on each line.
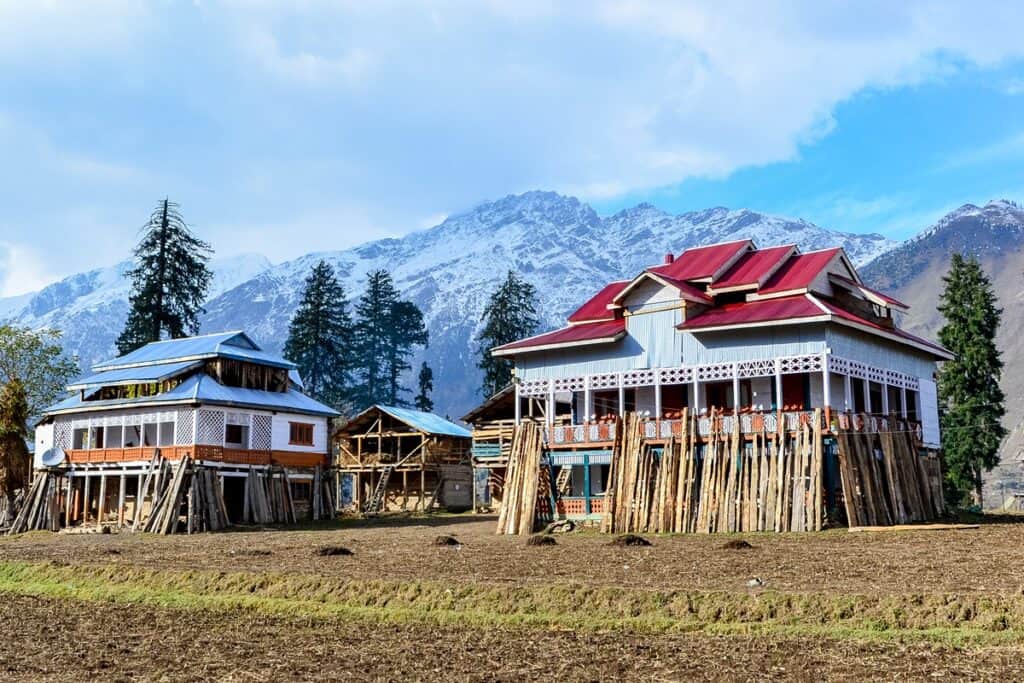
(392,459)
(218,399)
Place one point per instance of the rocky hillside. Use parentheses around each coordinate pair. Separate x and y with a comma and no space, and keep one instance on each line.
(913,272)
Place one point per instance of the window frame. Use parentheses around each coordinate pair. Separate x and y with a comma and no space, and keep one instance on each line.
(298,430)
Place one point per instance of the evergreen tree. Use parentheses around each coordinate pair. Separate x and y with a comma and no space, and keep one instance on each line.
(169,281)
(15,462)
(971,402)
(320,338)
(510,314)
(426,384)
(386,330)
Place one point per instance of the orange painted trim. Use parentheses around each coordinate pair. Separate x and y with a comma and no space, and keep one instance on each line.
(234,456)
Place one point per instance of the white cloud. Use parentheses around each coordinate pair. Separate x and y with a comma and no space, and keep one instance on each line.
(327,123)
(22,270)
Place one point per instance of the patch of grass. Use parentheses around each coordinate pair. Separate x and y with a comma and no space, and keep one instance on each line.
(949,619)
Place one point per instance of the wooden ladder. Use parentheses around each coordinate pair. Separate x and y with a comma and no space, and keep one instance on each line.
(376,502)
(564,479)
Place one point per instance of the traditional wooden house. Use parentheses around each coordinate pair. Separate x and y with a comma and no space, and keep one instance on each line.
(392,459)
(217,400)
(737,336)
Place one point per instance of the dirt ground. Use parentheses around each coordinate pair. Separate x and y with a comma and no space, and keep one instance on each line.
(53,640)
(984,560)
(49,638)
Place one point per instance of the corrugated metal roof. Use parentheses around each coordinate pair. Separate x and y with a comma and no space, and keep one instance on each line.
(587,332)
(200,388)
(235,344)
(799,271)
(702,262)
(753,267)
(134,375)
(426,422)
(597,307)
(750,312)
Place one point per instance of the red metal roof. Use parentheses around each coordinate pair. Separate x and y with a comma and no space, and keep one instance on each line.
(701,262)
(749,312)
(587,332)
(881,295)
(799,271)
(846,315)
(753,267)
(597,307)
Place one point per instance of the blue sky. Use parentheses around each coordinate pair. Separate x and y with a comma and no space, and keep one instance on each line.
(284,128)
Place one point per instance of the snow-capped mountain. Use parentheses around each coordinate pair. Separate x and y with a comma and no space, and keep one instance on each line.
(558,243)
(994,233)
(90,308)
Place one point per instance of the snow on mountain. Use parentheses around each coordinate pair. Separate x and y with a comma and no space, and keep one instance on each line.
(558,243)
(90,308)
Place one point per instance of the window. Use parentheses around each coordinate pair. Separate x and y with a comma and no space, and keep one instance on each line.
(96,437)
(236,435)
(166,433)
(132,436)
(80,439)
(149,432)
(112,436)
(300,434)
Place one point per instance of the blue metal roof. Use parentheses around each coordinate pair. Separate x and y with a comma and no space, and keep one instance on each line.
(201,388)
(235,344)
(426,422)
(134,375)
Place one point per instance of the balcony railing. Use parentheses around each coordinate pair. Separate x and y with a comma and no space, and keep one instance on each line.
(749,423)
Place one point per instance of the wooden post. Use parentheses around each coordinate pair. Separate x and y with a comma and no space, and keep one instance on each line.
(826,386)
(694,407)
(120,500)
(622,397)
(657,394)
(67,499)
(101,504)
(588,407)
(549,412)
(85,498)
(519,408)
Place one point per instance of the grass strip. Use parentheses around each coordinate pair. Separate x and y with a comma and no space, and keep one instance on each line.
(956,620)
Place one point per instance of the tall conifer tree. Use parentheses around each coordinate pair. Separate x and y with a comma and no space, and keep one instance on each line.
(426,387)
(386,330)
(320,338)
(169,281)
(510,314)
(971,401)
(15,464)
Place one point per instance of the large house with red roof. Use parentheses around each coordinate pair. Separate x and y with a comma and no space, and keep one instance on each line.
(738,329)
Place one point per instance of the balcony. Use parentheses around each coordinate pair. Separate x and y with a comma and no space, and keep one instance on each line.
(232,456)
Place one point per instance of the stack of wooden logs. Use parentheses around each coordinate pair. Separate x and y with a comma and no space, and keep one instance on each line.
(268,497)
(39,507)
(764,482)
(885,481)
(518,512)
(206,508)
(322,505)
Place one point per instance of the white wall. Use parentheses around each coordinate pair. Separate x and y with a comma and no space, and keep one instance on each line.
(280,429)
(44,438)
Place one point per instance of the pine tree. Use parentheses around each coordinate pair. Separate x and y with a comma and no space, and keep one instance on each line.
(426,385)
(386,330)
(510,314)
(169,281)
(320,338)
(15,462)
(971,401)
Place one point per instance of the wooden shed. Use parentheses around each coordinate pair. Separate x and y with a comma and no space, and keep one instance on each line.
(392,459)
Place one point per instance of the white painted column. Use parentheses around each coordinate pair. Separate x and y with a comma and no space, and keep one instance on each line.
(885,398)
(735,387)
(778,384)
(549,412)
(867,395)
(120,499)
(903,402)
(519,408)
(622,397)
(826,378)
(657,395)
(694,404)
(847,392)
(588,400)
